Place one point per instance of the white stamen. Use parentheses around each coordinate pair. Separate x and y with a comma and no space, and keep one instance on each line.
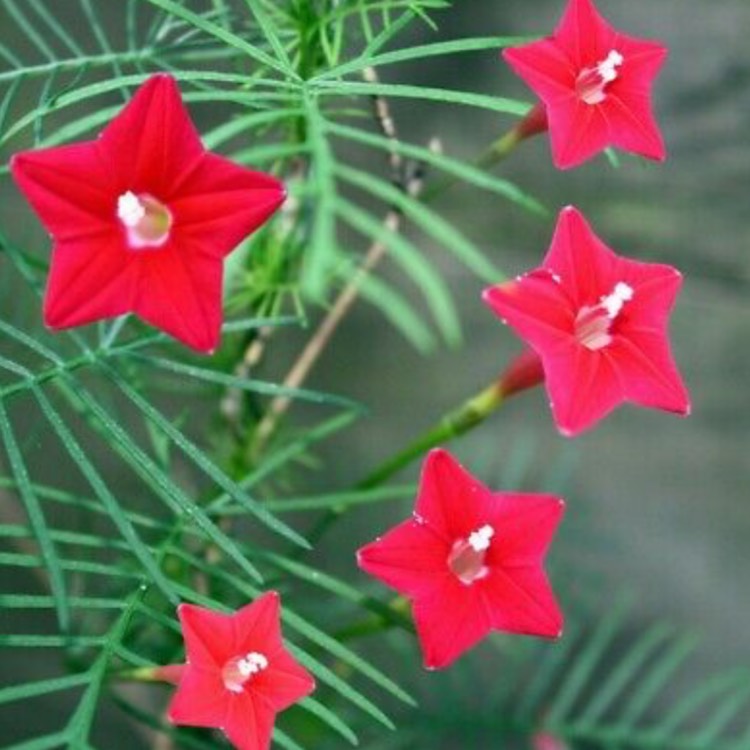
(239,671)
(130,210)
(479,540)
(592,82)
(613,303)
(607,68)
(252,663)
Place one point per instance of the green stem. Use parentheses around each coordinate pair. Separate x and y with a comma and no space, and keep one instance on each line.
(495,153)
(453,424)
(534,122)
(169,673)
(501,148)
(524,371)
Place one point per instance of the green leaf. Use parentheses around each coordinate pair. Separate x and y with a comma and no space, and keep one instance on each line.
(339,500)
(162,485)
(323,248)
(661,670)
(41,743)
(42,687)
(446,96)
(428,221)
(35,515)
(244,123)
(267,26)
(100,488)
(406,254)
(284,455)
(454,167)
(200,459)
(393,305)
(262,387)
(216,31)
(588,658)
(422,52)
(33,36)
(329,718)
(638,656)
(58,29)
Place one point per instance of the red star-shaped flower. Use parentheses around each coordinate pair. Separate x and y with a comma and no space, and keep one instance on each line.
(599,323)
(142,219)
(470,560)
(238,674)
(595,83)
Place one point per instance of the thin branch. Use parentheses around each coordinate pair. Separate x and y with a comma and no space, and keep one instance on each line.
(231,404)
(409,177)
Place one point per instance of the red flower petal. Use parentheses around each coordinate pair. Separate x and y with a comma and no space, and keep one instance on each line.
(450,621)
(450,499)
(520,600)
(447,561)
(284,682)
(545,67)
(257,626)
(209,636)
(70,187)
(200,699)
(249,722)
(642,62)
(152,145)
(536,307)
(595,84)
(584,34)
(645,365)
(142,219)
(578,131)
(583,387)
(85,286)
(632,125)
(183,294)
(220,204)
(656,287)
(411,558)
(526,524)
(585,265)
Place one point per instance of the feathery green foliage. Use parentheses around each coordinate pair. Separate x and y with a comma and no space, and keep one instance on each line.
(133,472)
(602,686)
(113,586)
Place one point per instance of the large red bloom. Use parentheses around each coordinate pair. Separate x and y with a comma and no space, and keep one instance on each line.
(599,323)
(470,560)
(142,219)
(595,83)
(238,674)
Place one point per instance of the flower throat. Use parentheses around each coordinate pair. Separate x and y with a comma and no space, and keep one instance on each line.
(592,83)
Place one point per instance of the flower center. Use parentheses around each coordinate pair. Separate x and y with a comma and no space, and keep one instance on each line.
(466,559)
(592,82)
(241,669)
(593,324)
(147,221)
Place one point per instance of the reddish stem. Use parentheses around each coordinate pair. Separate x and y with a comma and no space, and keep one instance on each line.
(525,371)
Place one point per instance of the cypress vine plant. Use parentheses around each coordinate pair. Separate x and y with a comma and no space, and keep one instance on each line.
(137,475)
